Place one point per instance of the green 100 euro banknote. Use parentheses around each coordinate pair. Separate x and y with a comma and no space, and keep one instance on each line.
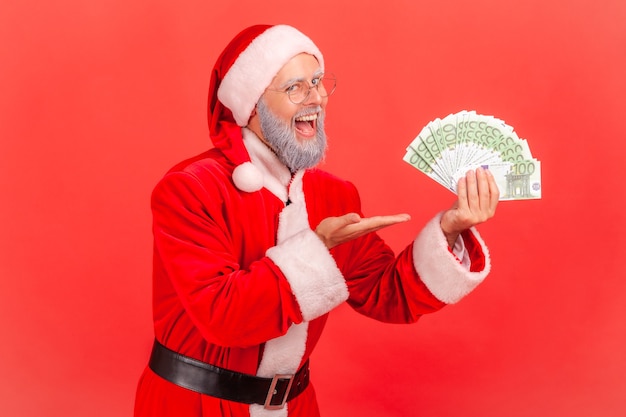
(447,148)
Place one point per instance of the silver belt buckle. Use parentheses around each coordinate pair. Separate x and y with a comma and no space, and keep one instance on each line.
(271,393)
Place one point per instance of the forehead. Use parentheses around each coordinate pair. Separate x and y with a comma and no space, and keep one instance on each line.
(300,67)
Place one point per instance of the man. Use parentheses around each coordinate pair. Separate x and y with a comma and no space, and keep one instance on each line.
(253,246)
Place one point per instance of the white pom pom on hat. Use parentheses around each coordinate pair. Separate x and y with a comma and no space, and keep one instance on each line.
(247,177)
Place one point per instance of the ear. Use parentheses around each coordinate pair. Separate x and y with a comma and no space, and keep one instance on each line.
(254,124)
(253,119)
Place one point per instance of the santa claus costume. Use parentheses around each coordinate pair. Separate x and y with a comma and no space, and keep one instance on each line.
(242,285)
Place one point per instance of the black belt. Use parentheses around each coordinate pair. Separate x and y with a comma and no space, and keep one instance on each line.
(218,382)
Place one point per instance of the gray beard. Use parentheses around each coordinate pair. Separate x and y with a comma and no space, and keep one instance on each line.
(282,140)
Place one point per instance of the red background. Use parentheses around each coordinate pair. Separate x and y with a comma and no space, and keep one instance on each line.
(99,98)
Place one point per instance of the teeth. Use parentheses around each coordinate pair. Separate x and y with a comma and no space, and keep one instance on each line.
(306,118)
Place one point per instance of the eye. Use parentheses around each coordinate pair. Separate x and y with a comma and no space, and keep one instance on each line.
(293,88)
(317,81)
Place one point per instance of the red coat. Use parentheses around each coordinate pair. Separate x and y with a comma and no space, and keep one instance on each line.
(242,282)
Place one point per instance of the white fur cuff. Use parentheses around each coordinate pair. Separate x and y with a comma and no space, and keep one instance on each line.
(440,270)
(315,280)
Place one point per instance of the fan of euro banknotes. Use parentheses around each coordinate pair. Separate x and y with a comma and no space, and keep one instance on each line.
(447,148)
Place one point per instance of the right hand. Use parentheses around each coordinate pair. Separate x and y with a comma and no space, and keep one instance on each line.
(334,231)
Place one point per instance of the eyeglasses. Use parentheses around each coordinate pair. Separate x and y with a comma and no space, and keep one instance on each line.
(299,91)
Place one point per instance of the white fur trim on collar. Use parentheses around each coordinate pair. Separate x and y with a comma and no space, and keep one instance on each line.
(274,175)
(316,281)
(255,68)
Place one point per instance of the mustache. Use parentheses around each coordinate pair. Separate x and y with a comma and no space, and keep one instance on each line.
(308,111)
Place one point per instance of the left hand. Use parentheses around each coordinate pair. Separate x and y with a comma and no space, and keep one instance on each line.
(478,197)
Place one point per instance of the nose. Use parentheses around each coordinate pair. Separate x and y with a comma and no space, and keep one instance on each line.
(314,96)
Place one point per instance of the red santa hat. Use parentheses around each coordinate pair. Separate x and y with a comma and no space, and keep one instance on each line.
(240,76)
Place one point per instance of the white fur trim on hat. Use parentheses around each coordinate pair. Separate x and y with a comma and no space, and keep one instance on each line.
(442,273)
(255,68)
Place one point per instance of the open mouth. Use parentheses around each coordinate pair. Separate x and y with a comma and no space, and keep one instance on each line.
(306,125)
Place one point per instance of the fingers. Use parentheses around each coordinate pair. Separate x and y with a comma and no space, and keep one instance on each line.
(372,224)
(488,191)
(349,218)
(493,190)
(336,230)
(477,198)
(391,220)
(461,191)
(473,188)
(483,189)
(478,191)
